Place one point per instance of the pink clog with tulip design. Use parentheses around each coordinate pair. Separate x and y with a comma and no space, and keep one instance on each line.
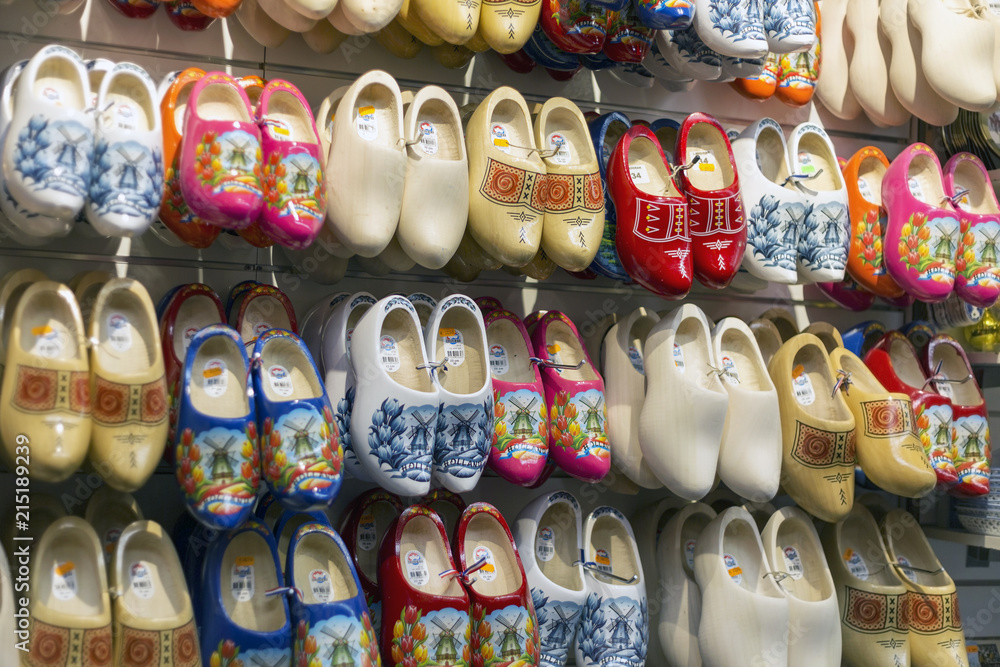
(574,393)
(966,183)
(292,177)
(923,228)
(220,158)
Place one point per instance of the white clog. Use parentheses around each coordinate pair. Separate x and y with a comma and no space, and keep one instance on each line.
(549,533)
(750,456)
(455,340)
(323,37)
(338,19)
(437,179)
(744,615)
(425,305)
(312,9)
(369,16)
(685,52)
(790,25)
(648,522)
(624,375)
(869,65)
(776,208)
(833,87)
(264,29)
(792,547)
(734,28)
(366,166)
(680,429)
(394,419)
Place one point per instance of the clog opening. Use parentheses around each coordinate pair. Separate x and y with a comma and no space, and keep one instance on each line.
(221,101)
(46,323)
(150,578)
(815,364)
(744,565)
(828,334)
(558,565)
(246,571)
(505,334)
(816,159)
(768,339)
(261,313)
(642,152)
(783,321)
(760,513)
(964,391)
(126,334)
(131,107)
(449,512)
(715,168)
(401,327)
(616,129)
(924,180)
(576,148)
(637,334)
(288,528)
(667,136)
(113,516)
(861,377)
(422,541)
(915,559)
(561,338)
(371,529)
(798,553)
(424,311)
(86,294)
(905,363)
(467,370)
(772,157)
(613,550)
(352,321)
(218,379)
(694,525)
(96,76)
(317,554)
(871,171)
(695,358)
(511,117)
(68,579)
(287,112)
(444,129)
(980,199)
(863,552)
(58,81)
(747,371)
(180,106)
(484,530)
(287,354)
(253,91)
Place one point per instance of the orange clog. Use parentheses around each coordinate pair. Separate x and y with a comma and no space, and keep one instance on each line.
(798,73)
(762,86)
(218,9)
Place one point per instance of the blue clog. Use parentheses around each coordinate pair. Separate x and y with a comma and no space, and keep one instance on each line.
(541,49)
(268,510)
(331,619)
(216,456)
(288,523)
(665,14)
(605,131)
(244,602)
(666,130)
(862,337)
(597,61)
(300,442)
(919,332)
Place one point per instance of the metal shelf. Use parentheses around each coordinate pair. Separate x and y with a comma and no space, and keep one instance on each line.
(963,537)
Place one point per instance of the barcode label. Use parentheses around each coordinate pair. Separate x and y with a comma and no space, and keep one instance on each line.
(142,580)
(389,354)
(545,545)
(281,381)
(215,379)
(119,332)
(803,389)
(454,347)
(367,125)
(242,582)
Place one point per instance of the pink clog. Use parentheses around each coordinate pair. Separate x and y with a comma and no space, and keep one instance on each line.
(922,230)
(220,165)
(574,392)
(292,177)
(966,183)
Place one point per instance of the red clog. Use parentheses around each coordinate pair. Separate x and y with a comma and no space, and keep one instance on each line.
(893,360)
(575,26)
(504,627)
(652,238)
(264,308)
(448,505)
(425,609)
(628,40)
(185,16)
(134,9)
(519,61)
(712,188)
(949,368)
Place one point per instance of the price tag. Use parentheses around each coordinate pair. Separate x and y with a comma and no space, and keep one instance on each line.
(558,143)
(802,387)
(793,563)
(454,348)
(64,584)
(500,139)
(733,568)
(545,545)
(119,332)
(389,354)
(603,560)
(915,189)
(428,138)
(319,584)
(498,360)
(856,564)
(416,568)
(141,580)
(679,357)
(635,358)
(731,375)
(214,377)
(638,173)
(366,123)
(281,380)
(48,342)
(489,571)
(367,535)
(241,579)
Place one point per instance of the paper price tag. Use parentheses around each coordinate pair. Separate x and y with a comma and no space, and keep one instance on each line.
(802,387)
(416,568)
(638,173)
(119,332)
(366,123)
(545,545)
(489,571)
(389,354)
(498,360)
(733,568)
(856,564)
(141,580)
(367,535)
(678,357)
(64,583)
(281,381)
(428,138)
(635,358)
(214,377)
(558,143)
(500,138)
(454,347)
(731,374)
(319,584)
(793,563)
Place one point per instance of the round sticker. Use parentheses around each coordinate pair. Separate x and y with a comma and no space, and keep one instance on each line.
(488,572)
(389,354)
(416,568)
(733,568)
(545,545)
(428,138)
(215,377)
(119,332)
(793,563)
(281,381)
(498,360)
(678,357)
(319,583)
(141,580)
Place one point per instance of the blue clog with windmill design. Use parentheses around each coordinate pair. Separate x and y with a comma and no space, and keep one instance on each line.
(300,443)
(216,457)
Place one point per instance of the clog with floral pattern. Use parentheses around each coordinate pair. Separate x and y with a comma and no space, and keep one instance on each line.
(574,26)
(665,14)
(628,40)
(977,274)
(184,15)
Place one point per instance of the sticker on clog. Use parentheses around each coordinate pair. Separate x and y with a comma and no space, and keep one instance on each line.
(944,388)
(806,165)
(281,380)
(554,357)
(488,572)
(856,564)
(635,358)
(706,159)
(915,189)
(558,144)
(126,117)
(119,332)
(866,191)
(689,547)
(545,545)
(678,357)
(428,138)
(241,580)
(278,127)
(215,377)
(729,372)
(500,141)
(261,329)
(319,584)
(110,540)
(602,558)
(793,563)
(367,535)
(802,387)
(388,354)
(638,173)
(64,584)
(141,580)
(907,571)
(733,568)
(52,95)
(366,123)
(498,360)
(416,568)
(188,335)
(350,333)
(454,346)
(48,342)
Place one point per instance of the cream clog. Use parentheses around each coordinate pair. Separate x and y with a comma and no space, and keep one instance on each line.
(323,38)
(767,337)
(648,523)
(12,286)
(454,21)
(827,333)
(338,19)
(284,16)
(869,65)
(86,286)
(783,320)
(312,9)
(110,512)
(507,179)
(368,16)
(506,25)
(833,88)
(264,29)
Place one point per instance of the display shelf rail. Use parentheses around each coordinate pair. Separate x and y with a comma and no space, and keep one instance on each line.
(963,537)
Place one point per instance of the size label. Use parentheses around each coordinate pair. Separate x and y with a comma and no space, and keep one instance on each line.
(388,354)
(367,535)
(281,381)
(141,580)
(428,139)
(729,372)
(856,564)
(498,360)
(914,185)
(64,584)
(241,579)
(454,347)
(500,139)
(802,387)
(733,568)
(689,552)
(558,143)
(366,123)
(119,332)
(635,358)
(214,377)
(638,173)
(678,357)
(416,568)
(907,571)
(545,544)
(489,570)
(48,342)
(706,159)
(866,191)
(319,583)
(793,563)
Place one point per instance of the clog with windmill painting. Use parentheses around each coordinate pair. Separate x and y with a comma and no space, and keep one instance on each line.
(628,39)
(302,455)
(967,184)
(574,27)
(665,14)
(574,393)
(797,76)
(791,25)
(922,260)
(732,29)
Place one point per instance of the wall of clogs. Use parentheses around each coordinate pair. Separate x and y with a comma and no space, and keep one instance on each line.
(95,30)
